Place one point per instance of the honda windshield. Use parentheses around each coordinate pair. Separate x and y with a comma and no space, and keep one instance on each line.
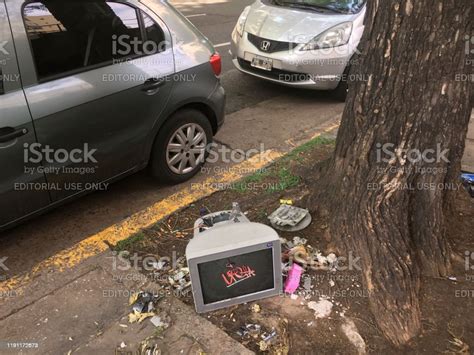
(339,6)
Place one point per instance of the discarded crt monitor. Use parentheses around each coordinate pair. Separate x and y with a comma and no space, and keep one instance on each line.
(232,261)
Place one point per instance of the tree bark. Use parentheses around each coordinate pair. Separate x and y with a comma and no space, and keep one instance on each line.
(384,209)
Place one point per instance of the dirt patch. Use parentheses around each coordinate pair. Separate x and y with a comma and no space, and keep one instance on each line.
(349,327)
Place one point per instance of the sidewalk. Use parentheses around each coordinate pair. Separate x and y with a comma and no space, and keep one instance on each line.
(90,316)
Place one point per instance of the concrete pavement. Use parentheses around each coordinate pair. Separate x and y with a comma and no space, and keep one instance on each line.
(88,315)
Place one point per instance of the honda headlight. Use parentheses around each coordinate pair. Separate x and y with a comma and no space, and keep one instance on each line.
(334,37)
(242,20)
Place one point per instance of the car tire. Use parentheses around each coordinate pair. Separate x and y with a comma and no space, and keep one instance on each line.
(172,155)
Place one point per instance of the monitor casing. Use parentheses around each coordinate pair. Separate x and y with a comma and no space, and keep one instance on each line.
(230,239)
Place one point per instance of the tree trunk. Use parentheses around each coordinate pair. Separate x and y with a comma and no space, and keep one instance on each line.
(385,209)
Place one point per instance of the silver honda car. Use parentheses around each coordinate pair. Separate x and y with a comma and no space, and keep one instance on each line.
(91,91)
(299,43)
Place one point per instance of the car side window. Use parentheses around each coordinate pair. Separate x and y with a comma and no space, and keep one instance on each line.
(155,37)
(68,37)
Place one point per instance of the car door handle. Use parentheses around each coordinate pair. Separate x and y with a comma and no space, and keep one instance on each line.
(152,85)
(8,134)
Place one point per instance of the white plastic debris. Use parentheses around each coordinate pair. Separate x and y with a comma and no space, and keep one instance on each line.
(331,258)
(322,308)
(158,265)
(157,322)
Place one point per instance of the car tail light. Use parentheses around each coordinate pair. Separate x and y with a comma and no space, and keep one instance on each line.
(216,63)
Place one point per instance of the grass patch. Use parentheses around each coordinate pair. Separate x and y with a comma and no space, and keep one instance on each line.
(280,171)
(295,153)
(286,180)
(130,242)
(242,185)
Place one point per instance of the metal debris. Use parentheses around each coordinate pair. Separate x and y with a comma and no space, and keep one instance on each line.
(250,329)
(290,218)
(267,337)
(143,306)
(179,279)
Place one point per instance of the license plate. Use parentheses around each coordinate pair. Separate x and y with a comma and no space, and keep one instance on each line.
(262,63)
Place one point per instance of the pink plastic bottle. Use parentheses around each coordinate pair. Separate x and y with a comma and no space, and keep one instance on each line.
(294,278)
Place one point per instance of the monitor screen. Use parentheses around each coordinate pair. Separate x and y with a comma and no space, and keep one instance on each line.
(236,276)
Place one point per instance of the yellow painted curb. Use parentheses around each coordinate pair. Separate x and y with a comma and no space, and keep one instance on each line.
(97,243)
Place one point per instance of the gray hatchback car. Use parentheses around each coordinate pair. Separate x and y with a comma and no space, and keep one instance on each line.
(92,91)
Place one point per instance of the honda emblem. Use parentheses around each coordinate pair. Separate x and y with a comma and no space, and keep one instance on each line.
(265,46)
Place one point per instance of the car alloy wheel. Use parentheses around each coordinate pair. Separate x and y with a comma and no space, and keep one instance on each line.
(186,149)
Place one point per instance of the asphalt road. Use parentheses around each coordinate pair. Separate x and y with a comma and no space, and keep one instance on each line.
(216,19)
(45,236)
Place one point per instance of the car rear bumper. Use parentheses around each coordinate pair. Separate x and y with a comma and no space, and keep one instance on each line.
(319,69)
